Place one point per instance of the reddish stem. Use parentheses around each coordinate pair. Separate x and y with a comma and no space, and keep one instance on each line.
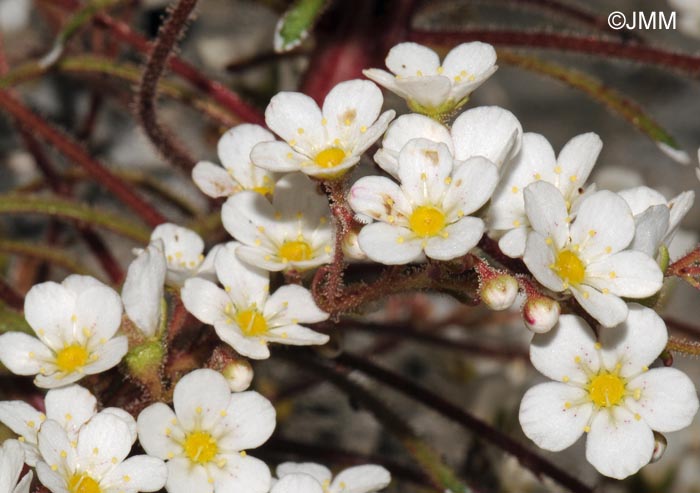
(10,296)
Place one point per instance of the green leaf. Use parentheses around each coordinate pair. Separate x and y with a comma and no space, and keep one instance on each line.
(295,24)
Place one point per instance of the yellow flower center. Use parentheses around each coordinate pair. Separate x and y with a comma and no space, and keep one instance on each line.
(606,390)
(200,447)
(426,221)
(330,158)
(71,357)
(251,322)
(82,483)
(295,251)
(569,267)
(264,191)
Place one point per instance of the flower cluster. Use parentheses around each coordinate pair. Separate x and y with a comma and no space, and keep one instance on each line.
(456,193)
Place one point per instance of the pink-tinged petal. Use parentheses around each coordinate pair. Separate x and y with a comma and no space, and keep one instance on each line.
(546,212)
(564,353)
(424,167)
(205,300)
(606,308)
(619,445)
(246,474)
(278,156)
(297,483)
(251,347)
(407,59)
(185,477)
(550,418)
(361,479)
(667,400)
(380,198)
(487,131)
(213,180)
(200,397)
(576,160)
(604,225)
(23,354)
(249,422)
(473,182)
(538,258)
(390,245)
(630,274)
(635,343)
(290,112)
(460,237)
(293,303)
(155,427)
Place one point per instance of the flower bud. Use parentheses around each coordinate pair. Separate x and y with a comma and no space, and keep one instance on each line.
(499,292)
(659,446)
(541,314)
(238,374)
(351,246)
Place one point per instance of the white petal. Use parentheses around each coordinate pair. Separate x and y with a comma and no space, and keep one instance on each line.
(11,462)
(319,472)
(152,424)
(406,59)
(429,91)
(293,302)
(473,182)
(25,483)
(603,225)
(607,309)
(350,106)
(246,474)
(102,442)
(561,353)
(461,237)
(55,446)
(424,167)
(52,480)
(538,257)
(288,112)
(54,379)
(106,356)
(619,445)
(300,204)
(183,247)
(513,242)
(184,477)
(126,417)
(379,198)
(487,131)
(546,211)
(23,354)
(361,479)
(200,397)
(251,347)
(99,312)
(249,422)
(205,300)
(297,483)
(144,473)
(213,180)
(546,418)
(384,79)
(390,245)
(48,308)
(641,198)
(475,58)
(668,400)
(247,285)
(372,134)
(71,406)
(234,149)
(143,288)
(635,343)
(244,214)
(651,227)
(576,160)
(17,415)
(278,156)
(77,284)
(630,274)
(296,335)
(257,257)
(680,205)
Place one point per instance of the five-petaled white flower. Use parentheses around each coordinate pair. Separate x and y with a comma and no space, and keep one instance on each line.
(205,439)
(76,322)
(184,253)
(656,220)
(429,211)
(142,293)
(605,388)
(568,172)
(294,232)
(359,479)
(11,462)
(238,172)
(323,143)
(587,256)
(70,406)
(245,315)
(486,131)
(94,461)
(432,88)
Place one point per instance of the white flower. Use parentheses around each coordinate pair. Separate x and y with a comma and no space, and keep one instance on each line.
(541,313)
(606,389)
(359,479)
(142,293)
(432,88)
(94,461)
(294,232)
(183,250)
(587,256)
(297,483)
(14,15)
(429,212)
(535,162)
(205,438)
(245,315)
(238,374)
(70,406)
(486,131)
(238,172)
(689,22)
(76,322)
(323,143)
(656,220)
(11,462)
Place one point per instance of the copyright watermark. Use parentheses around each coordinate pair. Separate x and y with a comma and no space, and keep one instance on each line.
(642,20)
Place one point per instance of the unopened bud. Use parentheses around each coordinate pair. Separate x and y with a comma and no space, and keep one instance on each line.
(541,314)
(499,292)
(238,374)
(351,246)
(659,446)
